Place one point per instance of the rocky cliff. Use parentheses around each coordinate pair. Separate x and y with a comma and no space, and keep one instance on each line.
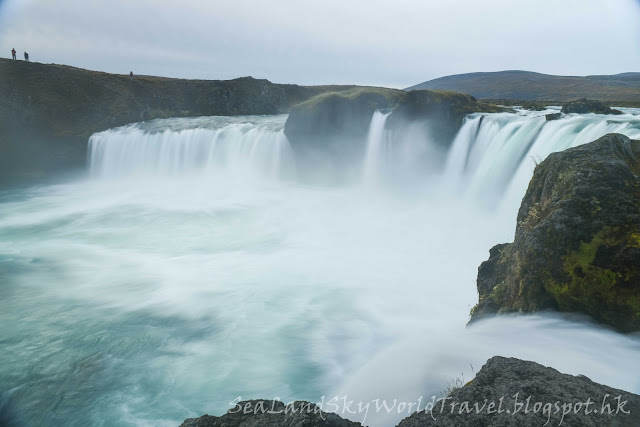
(47,112)
(331,129)
(442,112)
(577,242)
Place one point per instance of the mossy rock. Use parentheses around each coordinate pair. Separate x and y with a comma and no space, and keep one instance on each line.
(577,243)
(441,111)
(584,106)
(338,114)
(533,106)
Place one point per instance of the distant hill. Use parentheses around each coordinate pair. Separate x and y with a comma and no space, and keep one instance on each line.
(526,85)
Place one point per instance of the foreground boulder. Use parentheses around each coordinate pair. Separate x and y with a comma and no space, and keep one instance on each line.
(553,399)
(577,242)
(268,413)
(584,106)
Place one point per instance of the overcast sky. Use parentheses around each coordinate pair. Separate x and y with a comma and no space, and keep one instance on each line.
(395,43)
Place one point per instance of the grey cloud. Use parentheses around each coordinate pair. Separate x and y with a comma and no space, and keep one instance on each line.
(388,43)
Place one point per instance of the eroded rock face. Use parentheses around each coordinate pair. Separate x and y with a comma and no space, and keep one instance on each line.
(533,106)
(503,384)
(442,111)
(584,106)
(577,242)
(268,413)
(328,132)
(331,128)
(48,112)
(338,114)
(503,378)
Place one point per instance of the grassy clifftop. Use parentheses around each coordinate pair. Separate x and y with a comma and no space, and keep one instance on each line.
(47,112)
(69,101)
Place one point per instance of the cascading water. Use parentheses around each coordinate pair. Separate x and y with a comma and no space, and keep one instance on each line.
(161,289)
(496,154)
(376,145)
(238,149)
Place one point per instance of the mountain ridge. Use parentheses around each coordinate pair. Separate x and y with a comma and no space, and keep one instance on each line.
(533,86)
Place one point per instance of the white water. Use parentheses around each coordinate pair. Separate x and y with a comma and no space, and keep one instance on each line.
(493,158)
(247,150)
(376,149)
(162,289)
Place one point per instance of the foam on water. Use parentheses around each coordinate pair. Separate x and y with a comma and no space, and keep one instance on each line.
(193,268)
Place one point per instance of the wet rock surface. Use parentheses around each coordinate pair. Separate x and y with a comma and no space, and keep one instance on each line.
(513,392)
(577,242)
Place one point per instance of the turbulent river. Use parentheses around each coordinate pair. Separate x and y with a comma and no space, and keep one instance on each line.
(194,266)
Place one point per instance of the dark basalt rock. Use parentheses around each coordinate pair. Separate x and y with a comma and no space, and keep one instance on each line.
(268,413)
(442,111)
(331,129)
(503,378)
(533,106)
(503,384)
(577,242)
(584,106)
(47,112)
(328,132)
(553,116)
(344,114)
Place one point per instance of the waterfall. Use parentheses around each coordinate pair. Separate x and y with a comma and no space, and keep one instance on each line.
(178,147)
(376,144)
(122,291)
(493,156)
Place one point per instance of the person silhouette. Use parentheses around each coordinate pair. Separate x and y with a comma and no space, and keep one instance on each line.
(13,53)
(131,75)
(26,56)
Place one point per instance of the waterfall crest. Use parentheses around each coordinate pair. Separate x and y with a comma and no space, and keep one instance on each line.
(233,150)
(493,156)
(376,145)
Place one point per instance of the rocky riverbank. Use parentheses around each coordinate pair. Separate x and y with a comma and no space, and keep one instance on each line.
(506,392)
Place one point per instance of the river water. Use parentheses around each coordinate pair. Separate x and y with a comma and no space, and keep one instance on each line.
(194,265)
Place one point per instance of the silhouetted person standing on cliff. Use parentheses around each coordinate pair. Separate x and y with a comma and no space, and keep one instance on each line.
(26,56)
(131,75)
(13,54)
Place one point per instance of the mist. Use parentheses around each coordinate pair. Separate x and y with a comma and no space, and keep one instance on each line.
(197,264)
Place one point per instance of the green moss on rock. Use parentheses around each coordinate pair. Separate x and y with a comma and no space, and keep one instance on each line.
(338,114)
(577,243)
(443,111)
